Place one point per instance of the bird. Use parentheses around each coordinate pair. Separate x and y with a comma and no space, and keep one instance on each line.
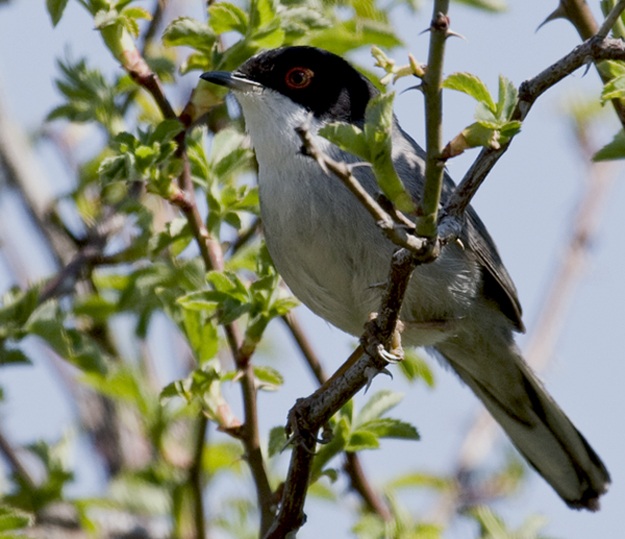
(463,306)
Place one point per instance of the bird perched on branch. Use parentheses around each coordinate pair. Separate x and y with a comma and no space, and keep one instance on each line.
(330,253)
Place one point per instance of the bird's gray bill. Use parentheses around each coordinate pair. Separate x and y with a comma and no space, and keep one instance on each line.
(229,80)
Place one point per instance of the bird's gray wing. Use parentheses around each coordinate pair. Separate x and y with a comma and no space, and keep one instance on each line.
(497,283)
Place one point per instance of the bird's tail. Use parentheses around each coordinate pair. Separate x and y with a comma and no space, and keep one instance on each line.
(534,422)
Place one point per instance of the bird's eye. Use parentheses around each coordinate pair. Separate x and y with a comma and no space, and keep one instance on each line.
(298,77)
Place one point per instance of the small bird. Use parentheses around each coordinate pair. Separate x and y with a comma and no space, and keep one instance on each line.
(330,252)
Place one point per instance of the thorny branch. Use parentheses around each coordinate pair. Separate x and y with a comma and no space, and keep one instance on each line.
(595,49)
(352,466)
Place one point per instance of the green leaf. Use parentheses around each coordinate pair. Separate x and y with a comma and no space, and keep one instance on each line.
(201,334)
(423,480)
(13,519)
(471,85)
(386,427)
(343,37)
(263,13)
(362,440)
(56,9)
(506,102)
(612,68)
(379,403)
(73,345)
(12,356)
(225,17)
(348,137)
(277,441)
(612,150)
(378,132)
(416,367)
(268,377)
(222,457)
(614,89)
(17,306)
(186,31)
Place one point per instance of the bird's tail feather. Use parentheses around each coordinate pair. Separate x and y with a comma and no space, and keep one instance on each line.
(536,425)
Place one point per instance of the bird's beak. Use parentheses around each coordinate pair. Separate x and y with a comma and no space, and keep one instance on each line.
(234,81)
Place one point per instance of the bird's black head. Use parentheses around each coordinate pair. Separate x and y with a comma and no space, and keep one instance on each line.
(320,81)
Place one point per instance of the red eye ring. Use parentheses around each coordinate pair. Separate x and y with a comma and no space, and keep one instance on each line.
(298,78)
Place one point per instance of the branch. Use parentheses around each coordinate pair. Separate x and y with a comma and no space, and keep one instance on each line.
(580,16)
(353,466)
(427,220)
(313,412)
(595,49)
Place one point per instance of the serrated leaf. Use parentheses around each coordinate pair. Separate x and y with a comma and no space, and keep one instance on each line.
(186,31)
(471,85)
(507,98)
(386,427)
(166,131)
(349,35)
(379,403)
(612,150)
(477,134)
(55,10)
(361,440)
(348,137)
(135,12)
(614,89)
(225,17)
(263,12)
(612,68)
(277,441)
(268,377)
(416,367)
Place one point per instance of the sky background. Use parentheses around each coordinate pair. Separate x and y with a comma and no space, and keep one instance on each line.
(527,203)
